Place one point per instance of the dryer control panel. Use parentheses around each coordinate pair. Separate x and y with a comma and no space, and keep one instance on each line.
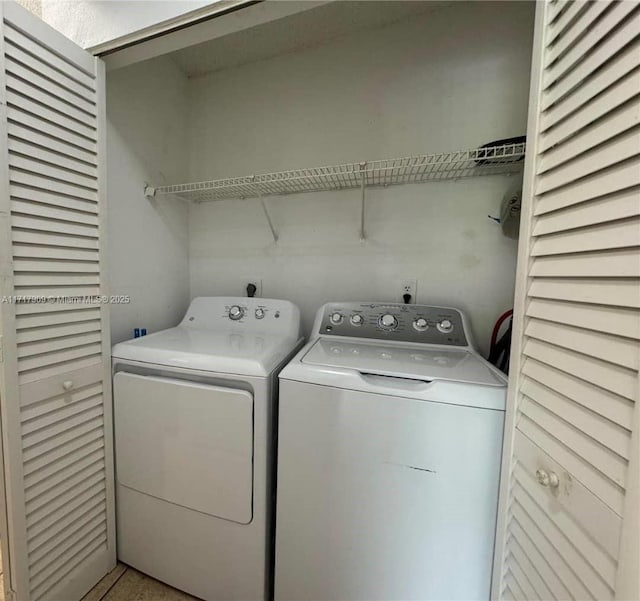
(393,321)
(242,314)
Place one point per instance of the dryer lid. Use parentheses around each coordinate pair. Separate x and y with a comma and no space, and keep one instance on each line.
(417,362)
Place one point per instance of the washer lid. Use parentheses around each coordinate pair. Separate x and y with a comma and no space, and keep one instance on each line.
(418,362)
(229,352)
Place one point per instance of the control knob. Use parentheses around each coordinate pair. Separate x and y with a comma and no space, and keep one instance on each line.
(259,314)
(420,324)
(336,318)
(236,312)
(356,320)
(445,326)
(388,321)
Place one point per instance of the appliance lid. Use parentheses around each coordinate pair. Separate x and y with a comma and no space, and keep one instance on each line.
(229,352)
(417,362)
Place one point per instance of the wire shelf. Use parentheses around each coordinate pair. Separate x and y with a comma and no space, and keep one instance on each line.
(492,160)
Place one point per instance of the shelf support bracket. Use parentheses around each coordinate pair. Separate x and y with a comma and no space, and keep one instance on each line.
(149,191)
(363,183)
(266,214)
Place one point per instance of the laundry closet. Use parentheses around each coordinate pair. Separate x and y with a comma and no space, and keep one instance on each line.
(336,151)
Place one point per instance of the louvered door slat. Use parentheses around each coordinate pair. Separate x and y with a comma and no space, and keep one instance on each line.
(27,89)
(613,292)
(597,185)
(33,179)
(16,52)
(563,555)
(56,159)
(50,115)
(513,592)
(611,125)
(600,81)
(610,208)
(613,152)
(47,81)
(599,400)
(55,252)
(610,320)
(603,264)
(61,149)
(80,66)
(615,41)
(79,490)
(19,115)
(592,34)
(26,193)
(593,116)
(56,376)
(591,12)
(575,377)
(613,349)
(561,20)
(521,578)
(33,165)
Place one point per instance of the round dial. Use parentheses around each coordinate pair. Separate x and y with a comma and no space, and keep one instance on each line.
(445,326)
(336,318)
(236,312)
(420,324)
(388,321)
(356,320)
(259,314)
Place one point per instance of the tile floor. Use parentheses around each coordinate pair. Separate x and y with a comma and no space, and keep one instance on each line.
(126,584)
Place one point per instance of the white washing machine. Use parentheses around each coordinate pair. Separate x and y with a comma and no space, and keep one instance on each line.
(193,410)
(390,441)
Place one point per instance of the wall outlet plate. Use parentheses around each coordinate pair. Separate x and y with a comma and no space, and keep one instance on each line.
(408,286)
(257,282)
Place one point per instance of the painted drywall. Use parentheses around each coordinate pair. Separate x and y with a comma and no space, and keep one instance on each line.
(454,78)
(147,239)
(93,22)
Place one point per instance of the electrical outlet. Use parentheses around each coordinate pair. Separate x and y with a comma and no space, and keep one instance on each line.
(257,282)
(408,286)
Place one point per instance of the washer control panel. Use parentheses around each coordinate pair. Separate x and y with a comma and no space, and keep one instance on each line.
(394,321)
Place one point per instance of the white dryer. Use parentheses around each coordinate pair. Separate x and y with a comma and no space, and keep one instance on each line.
(389,450)
(193,410)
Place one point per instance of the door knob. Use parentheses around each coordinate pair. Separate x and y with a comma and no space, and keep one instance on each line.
(547,479)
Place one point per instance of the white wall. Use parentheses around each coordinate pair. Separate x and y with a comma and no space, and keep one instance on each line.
(455,78)
(148,240)
(93,22)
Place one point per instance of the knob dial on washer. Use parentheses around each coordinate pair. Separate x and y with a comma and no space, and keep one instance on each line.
(336,318)
(445,326)
(388,321)
(236,312)
(356,319)
(259,314)
(420,324)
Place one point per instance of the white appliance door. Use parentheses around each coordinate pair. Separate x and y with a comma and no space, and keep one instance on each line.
(186,443)
(383,497)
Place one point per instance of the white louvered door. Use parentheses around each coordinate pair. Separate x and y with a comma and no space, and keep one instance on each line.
(55,377)
(574,411)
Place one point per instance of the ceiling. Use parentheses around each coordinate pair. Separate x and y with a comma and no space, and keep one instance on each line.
(302,30)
